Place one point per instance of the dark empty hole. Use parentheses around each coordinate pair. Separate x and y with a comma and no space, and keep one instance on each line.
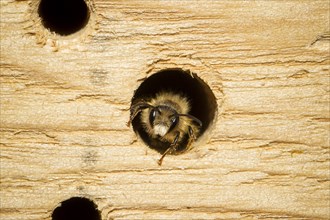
(63,17)
(76,208)
(201,98)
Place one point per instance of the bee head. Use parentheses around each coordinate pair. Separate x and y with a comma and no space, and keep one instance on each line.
(163,119)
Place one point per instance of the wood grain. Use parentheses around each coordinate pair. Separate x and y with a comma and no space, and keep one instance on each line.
(65,101)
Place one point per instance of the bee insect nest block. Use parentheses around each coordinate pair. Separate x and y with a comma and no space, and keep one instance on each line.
(69,76)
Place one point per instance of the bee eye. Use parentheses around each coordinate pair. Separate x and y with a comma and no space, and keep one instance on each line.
(153,113)
(174,121)
(152,116)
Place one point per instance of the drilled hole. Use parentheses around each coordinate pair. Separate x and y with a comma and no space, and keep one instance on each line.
(63,17)
(76,208)
(201,98)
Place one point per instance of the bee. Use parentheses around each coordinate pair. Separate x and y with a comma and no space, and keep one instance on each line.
(166,119)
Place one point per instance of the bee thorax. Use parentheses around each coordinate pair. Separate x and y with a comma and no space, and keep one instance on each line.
(160,129)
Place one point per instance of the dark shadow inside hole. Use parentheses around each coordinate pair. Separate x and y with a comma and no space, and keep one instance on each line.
(63,17)
(76,208)
(202,100)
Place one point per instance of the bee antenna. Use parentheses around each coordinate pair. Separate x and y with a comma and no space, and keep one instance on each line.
(136,109)
(193,118)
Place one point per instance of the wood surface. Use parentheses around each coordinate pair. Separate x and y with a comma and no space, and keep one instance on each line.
(65,103)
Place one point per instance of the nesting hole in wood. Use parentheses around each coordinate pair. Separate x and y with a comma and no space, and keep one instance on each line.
(202,100)
(76,208)
(64,17)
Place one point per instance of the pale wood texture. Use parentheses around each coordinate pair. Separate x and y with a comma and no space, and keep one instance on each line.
(65,101)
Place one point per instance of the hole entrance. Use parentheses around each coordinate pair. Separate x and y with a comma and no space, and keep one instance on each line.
(76,208)
(201,98)
(63,17)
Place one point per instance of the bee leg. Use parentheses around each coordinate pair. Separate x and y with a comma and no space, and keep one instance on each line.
(192,136)
(170,149)
(136,109)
